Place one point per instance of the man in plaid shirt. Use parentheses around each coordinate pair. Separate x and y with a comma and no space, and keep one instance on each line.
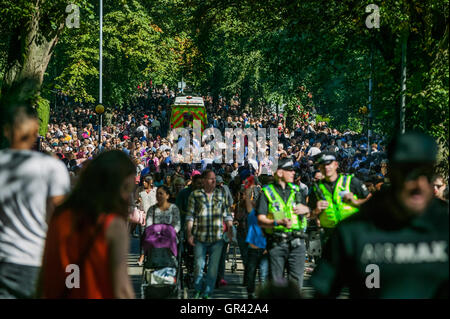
(208,209)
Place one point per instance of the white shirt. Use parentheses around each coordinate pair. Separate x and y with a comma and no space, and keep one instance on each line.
(27,180)
(143,129)
(253,163)
(147,199)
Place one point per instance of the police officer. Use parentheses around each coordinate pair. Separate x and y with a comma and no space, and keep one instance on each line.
(283,216)
(397,245)
(336,196)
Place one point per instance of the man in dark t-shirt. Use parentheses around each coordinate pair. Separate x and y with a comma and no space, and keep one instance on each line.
(397,245)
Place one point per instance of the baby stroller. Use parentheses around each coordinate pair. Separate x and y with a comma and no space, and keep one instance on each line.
(161,270)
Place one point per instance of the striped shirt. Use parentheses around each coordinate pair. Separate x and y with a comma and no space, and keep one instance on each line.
(208,215)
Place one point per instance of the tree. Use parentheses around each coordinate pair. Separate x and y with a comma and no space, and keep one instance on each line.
(29,31)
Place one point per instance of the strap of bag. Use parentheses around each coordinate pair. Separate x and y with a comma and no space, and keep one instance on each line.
(83,256)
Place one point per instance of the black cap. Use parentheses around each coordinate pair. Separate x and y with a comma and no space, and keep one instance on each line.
(326,158)
(412,147)
(286,164)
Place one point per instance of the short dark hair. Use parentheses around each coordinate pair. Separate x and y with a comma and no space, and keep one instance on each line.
(17,113)
(165,189)
(148,178)
(12,116)
(207,172)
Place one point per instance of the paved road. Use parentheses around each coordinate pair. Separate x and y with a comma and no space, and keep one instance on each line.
(234,289)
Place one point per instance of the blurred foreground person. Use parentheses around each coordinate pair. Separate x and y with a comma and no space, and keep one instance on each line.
(397,246)
(32,183)
(87,243)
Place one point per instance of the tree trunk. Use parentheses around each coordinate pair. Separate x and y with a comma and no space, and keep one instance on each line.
(29,52)
(28,57)
(27,62)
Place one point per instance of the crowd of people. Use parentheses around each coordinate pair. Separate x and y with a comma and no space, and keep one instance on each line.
(141,131)
(208,204)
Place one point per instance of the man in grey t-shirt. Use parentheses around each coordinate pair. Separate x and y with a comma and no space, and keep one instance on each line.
(32,185)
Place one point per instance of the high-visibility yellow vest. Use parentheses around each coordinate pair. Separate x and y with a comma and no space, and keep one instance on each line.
(278,209)
(337,210)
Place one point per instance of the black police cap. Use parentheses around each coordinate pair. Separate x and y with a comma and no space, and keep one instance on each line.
(286,164)
(412,147)
(326,158)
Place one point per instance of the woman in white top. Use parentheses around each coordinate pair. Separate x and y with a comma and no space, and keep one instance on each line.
(162,212)
(147,198)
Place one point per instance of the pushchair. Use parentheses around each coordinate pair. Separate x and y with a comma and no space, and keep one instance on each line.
(161,269)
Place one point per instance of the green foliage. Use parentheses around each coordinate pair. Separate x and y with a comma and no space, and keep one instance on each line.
(298,53)
(267,50)
(43,110)
(135,50)
(320,118)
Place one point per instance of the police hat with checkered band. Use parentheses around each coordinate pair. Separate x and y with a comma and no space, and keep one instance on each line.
(286,164)
(326,158)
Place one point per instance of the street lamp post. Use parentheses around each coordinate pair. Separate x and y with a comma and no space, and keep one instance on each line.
(100,95)
(369,118)
(404,39)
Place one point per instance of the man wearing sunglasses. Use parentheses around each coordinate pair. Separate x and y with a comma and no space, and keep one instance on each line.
(397,246)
